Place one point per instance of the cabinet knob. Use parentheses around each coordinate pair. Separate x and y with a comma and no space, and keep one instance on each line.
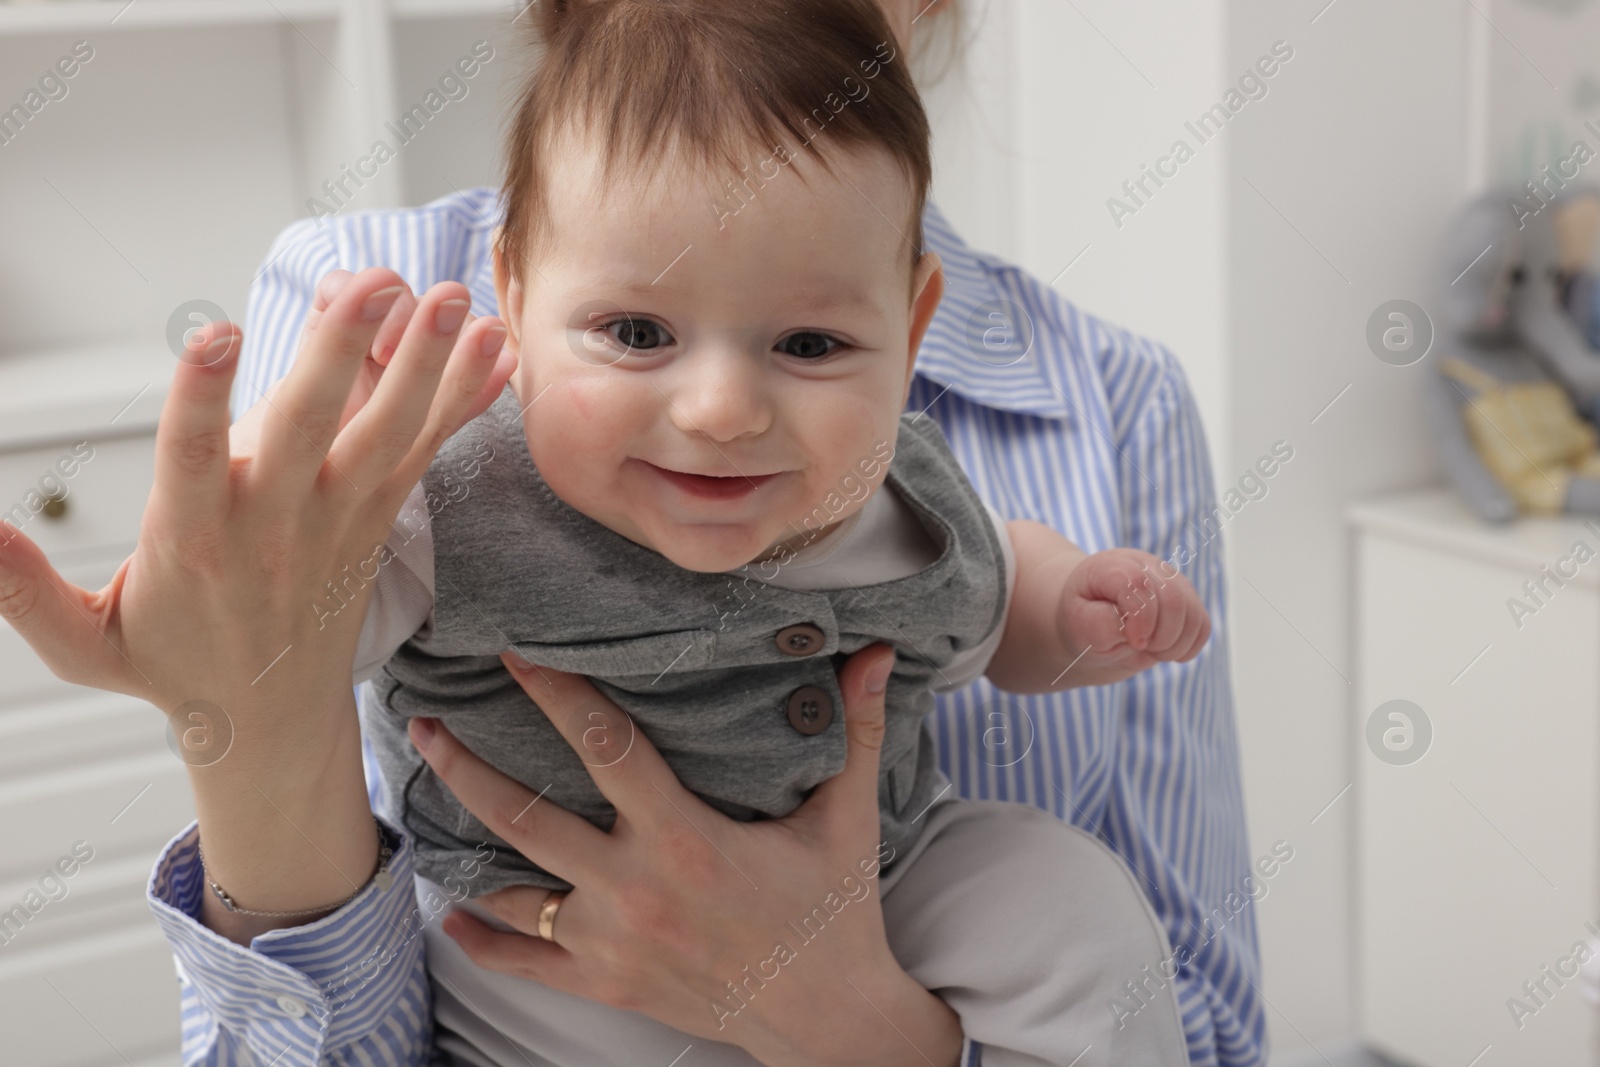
(55,505)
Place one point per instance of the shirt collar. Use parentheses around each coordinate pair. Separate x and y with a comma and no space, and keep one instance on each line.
(988,339)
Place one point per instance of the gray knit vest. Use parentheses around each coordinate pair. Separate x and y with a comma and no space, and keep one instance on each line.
(693,658)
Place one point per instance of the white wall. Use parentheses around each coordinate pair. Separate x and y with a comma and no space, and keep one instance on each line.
(1258,265)
(1342,184)
(1051,116)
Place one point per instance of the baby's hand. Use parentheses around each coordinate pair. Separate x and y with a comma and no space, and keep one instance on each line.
(1120,610)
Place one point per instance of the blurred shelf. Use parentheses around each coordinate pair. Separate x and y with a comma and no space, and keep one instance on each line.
(91,391)
(1439,518)
(66,16)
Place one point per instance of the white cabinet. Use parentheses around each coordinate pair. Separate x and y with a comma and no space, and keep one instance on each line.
(1477,862)
(189,133)
(89,790)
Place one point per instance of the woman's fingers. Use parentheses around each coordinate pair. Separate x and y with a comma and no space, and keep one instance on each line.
(322,296)
(517,906)
(387,340)
(383,432)
(307,409)
(848,802)
(434,385)
(191,462)
(623,763)
(569,963)
(519,955)
(505,365)
(566,845)
(474,379)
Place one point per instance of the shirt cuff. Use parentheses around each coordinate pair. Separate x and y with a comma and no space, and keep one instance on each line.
(299,994)
(971,1053)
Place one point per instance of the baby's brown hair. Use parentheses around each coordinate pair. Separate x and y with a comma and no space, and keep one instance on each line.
(744,85)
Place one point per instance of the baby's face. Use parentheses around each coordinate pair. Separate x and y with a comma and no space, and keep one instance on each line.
(713,388)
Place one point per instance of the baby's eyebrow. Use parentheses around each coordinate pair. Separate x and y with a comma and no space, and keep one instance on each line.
(850,299)
(625,284)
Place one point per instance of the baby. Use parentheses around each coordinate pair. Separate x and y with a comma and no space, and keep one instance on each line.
(700,490)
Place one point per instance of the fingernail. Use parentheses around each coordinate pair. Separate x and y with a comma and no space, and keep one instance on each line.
(450,315)
(519,664)
(423,731)
(379,303)
(218,349)
(878,677)
(494,339)
(333,285)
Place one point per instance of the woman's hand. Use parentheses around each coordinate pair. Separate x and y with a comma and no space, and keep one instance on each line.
(679,900)
(215,614)
(243,435)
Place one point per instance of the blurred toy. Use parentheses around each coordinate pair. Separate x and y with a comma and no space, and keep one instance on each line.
(1558,264)
(1577,280)
(1514,368)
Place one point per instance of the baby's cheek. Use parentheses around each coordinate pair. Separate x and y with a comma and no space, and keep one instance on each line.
(584,419)
(578,396)
(553,423)
(611,400)
(572,410)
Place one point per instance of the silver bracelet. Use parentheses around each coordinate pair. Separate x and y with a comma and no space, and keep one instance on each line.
(381,876)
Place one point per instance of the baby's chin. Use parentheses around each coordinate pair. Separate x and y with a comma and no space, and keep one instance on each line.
(709,549)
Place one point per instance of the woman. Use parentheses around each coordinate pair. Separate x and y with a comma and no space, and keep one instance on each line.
(285,816)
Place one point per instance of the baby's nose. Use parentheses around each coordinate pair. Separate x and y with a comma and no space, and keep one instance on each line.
(722,396)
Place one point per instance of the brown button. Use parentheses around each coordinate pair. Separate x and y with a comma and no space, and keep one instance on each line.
(810,709)
(801,640)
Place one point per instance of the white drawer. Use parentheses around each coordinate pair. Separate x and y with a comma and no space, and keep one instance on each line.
(83,726)
(101,1001)
(95,769)
(103,495)
(119,807)
(86,980)
(102,897)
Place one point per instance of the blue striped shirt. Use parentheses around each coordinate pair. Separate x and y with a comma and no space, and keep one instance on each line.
(1068,421)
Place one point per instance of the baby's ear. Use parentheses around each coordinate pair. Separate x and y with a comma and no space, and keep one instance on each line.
(927,283)
(508,294)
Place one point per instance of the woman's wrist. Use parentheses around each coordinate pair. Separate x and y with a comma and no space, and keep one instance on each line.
(285,820)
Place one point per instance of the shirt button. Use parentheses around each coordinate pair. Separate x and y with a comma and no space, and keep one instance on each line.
(801,640)
(810,709)
(293,1007)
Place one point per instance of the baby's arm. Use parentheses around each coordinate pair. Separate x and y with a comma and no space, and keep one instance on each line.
(1077,619)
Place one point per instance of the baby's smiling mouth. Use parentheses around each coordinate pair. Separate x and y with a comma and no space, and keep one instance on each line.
(710,486)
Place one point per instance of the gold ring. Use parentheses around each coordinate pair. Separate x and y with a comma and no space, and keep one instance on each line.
(547,914)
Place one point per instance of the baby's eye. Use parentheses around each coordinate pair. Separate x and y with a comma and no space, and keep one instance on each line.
(809,345)
(638,334)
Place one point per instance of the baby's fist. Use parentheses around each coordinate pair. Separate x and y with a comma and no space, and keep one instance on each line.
(1125,608)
